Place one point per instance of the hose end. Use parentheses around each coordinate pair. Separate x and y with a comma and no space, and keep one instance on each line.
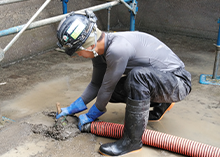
(86,128)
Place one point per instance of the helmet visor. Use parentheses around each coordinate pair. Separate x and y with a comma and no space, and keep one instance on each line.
(67,48)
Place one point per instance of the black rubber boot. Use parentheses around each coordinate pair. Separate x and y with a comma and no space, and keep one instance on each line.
(159,110)
(136,118)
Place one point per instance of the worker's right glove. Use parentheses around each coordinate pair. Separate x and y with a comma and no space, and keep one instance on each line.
(93,113)
(75,107)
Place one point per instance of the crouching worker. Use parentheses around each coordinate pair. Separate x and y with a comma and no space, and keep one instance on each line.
(130,67)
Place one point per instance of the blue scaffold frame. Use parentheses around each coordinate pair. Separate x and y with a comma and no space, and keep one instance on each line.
(130,4)
(213,79)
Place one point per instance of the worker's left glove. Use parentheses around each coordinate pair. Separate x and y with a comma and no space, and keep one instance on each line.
(89,117)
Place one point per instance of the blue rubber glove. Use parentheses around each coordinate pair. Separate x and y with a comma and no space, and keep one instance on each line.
(75,107)
(89,117)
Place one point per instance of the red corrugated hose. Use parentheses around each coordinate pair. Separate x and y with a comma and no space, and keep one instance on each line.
(159,140)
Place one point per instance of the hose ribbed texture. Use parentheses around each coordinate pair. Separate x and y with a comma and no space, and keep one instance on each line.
(107,129)
(159,140)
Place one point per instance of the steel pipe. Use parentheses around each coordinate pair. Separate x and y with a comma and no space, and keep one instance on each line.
(26,25)
(65,6)
(109,17)
(54,19)
(218,41)
(215,69)
(2,2)
(133,11)
(2,51)
(216,63)
(132,21)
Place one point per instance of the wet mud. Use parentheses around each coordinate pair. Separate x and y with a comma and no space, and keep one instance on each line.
(62,129)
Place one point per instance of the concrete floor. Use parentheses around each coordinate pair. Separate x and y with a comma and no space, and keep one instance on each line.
(35,85)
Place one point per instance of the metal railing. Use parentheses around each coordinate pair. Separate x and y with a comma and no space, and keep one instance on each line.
(215,70)
(30,25)
(54,19)
(213,79)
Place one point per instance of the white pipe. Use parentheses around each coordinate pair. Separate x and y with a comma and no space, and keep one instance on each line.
(55,19)
(60,17)
(26,26)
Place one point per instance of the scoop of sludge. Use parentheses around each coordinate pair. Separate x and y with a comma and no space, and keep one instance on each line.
(63,128)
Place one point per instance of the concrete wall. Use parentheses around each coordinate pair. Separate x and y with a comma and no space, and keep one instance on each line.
(194,18)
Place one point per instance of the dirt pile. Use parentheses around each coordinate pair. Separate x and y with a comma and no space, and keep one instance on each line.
(63,128)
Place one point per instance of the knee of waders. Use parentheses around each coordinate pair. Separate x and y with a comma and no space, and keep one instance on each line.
(138,76)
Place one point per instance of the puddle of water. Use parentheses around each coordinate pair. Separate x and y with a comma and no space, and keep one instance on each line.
(43,96)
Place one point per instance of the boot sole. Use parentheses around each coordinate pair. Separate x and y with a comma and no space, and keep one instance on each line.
(122,154)
(168,109)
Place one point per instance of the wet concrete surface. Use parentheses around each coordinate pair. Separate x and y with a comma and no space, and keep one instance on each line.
(32,87)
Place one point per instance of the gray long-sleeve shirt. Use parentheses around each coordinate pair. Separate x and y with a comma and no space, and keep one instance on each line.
(123,52)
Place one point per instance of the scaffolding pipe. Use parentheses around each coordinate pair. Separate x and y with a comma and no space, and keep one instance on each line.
(133,15)
(109,15)
(2,2)
(65,6)
(218,41)
(26,25)
(132,21)
(133,11)
(54,19)
(215,70)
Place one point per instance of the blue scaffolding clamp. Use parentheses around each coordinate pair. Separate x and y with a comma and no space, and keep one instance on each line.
(130,4)
(213,79)
(133,11)
(132,7)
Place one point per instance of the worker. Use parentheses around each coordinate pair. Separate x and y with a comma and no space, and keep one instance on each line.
(128,67)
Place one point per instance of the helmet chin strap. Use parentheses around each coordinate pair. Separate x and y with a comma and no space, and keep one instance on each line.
(93,50)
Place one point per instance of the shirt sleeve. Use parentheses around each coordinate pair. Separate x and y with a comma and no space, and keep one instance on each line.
(117,57)
(99,68)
